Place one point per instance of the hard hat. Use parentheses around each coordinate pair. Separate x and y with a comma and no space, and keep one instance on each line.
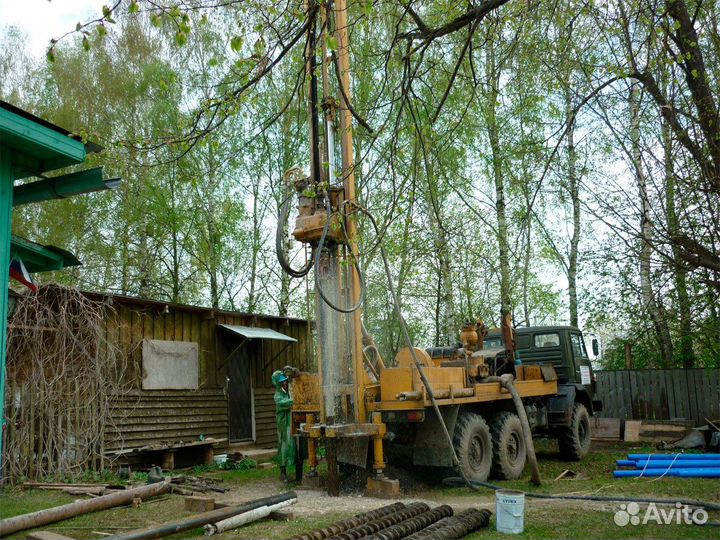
(278,377)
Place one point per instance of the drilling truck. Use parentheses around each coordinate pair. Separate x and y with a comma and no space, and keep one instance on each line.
(473,405)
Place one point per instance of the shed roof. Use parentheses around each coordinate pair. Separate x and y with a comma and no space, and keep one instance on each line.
(139,301)
(250,332)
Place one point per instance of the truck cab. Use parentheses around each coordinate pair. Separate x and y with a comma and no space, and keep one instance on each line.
(564,348)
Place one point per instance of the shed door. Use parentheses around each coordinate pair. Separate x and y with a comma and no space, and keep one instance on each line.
(240,397)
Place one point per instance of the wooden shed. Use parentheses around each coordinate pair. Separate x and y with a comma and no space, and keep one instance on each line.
(196,372)
(93,377)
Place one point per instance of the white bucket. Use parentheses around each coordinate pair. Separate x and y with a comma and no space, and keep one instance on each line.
(220,459)
(510,511)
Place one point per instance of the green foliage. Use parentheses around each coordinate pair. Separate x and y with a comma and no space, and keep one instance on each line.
(202,159)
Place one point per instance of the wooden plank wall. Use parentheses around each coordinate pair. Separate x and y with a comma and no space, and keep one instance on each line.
(265,427)
(144,417)
(160,416)
(660,394)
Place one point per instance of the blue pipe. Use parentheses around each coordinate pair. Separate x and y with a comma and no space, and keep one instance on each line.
(646,472)
(698,473)
(679,464)
(644,457)
(684,473)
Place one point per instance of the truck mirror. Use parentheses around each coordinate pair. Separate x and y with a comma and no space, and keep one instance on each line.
(595,347)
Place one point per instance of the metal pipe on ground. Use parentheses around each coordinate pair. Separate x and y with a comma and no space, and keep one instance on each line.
(455,527)
(245,518)
(53,515)
(198,520)
(346,524)
(412,525)
(372,527)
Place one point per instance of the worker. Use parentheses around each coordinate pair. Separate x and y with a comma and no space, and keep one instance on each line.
(283,405)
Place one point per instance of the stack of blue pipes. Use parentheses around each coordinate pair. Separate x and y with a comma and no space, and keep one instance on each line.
(682,465)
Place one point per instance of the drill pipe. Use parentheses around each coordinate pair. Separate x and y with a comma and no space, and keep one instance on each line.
(455,527)
(372,527)
(355,521)
(412,525)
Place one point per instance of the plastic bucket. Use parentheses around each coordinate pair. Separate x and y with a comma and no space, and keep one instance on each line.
(510,511)
(220,459)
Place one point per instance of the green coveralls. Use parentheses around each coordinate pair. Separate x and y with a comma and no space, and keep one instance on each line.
(283,404)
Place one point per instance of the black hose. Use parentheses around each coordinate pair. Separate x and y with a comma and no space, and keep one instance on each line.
(318,252)
(456,481)
(279,239)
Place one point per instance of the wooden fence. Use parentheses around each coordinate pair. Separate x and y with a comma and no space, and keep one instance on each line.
(660,394)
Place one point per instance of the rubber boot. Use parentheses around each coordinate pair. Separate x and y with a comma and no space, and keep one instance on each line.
(283,475)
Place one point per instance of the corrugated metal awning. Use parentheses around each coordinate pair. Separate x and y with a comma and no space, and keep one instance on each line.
(250,332)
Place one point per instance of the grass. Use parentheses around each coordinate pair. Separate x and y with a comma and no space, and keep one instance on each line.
(596,470)
(569,519)
(543,520)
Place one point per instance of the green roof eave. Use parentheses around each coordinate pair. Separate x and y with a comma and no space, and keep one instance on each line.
(64,186)
(39,258)
(36,148)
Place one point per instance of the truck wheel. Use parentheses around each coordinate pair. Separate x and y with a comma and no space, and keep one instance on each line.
(473,446)
(574,440)
(509,450)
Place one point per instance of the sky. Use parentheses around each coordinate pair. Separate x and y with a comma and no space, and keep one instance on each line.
(42,20)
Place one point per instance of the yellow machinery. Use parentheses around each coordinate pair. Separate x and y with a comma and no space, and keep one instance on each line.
(347,405)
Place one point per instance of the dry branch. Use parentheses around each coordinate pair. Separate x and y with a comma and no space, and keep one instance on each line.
(64,373)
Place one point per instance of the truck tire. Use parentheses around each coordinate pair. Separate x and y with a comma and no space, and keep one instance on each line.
(509,451)
(574,440)
(473,446)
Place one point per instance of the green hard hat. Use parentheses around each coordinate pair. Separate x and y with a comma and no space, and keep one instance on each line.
(278,377)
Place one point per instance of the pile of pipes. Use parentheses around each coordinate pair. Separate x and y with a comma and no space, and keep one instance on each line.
(415,521)
(659,465)
(214,521)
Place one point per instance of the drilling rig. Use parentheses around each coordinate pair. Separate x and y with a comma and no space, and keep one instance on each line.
(472,407)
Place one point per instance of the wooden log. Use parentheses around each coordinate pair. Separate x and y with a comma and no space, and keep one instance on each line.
(61,486)
(53,515)
(199,504)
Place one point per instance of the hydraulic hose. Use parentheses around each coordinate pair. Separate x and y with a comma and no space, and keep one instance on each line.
(506,382)
(279,239)
(318,252)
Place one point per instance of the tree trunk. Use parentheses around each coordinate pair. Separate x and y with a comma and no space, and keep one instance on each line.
(653,308)
(574,189)
(445,318)
(256,241)
(686,353)
(493,77)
